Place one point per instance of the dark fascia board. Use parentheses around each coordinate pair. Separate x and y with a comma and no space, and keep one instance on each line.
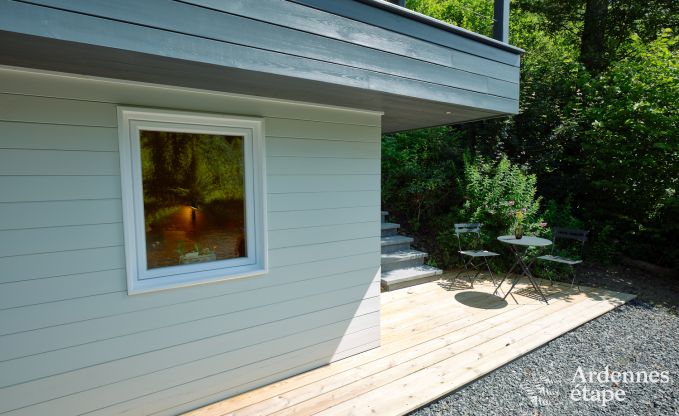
(344,8)
(411,14)
(400,113)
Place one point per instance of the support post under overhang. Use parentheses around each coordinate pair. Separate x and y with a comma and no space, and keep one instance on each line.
(501,21)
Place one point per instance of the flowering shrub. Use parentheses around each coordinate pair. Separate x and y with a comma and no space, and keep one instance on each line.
(500,196)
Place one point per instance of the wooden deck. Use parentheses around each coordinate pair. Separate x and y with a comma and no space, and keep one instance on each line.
(436,338)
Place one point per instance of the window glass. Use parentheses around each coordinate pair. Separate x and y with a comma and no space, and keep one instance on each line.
(194,201)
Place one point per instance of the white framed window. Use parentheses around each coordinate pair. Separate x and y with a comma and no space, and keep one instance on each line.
(193,193)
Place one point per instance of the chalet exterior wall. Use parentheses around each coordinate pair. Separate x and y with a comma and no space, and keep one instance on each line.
(72,341)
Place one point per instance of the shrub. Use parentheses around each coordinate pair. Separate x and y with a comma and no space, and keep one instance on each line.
(496,192)
(493,193)
(418,176)
(561,215)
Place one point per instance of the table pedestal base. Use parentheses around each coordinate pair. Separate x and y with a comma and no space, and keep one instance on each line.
(525,272)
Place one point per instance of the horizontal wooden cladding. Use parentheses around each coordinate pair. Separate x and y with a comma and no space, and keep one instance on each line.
(73,27)
(235,29)
(295,255)
(290,247)
(38,122)
(322,234)
(73,341)
(292,147)
(60,264)
(315,21)
(322,200)
(35,239)
(306,208)
(101,91)
(145,350)
(443,346)
(102,363)
(104,310)
(84,276)
(58,188)
(145,401)
(327,207)
(20,162)
(47,240)
(366,13)
(18,135)
(56,111)
(178,396)
(59,213)
(325,183)
(31,292)
(312,218)
(322,166)
(306,129)
(47,111)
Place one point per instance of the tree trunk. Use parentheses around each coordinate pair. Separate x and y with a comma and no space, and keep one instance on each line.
(593,40)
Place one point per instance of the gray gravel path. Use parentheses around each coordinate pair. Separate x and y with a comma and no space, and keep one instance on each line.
(636,337)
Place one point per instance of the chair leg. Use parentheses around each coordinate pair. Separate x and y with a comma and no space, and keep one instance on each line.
(471,281)
(492,277)
(467,266)
(573,281)
(544,272)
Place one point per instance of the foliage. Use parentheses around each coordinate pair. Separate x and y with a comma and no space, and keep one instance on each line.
(603,146)
(474,15)
(561,215)
(418,175)
(630,136)
(498,195)
(190,169)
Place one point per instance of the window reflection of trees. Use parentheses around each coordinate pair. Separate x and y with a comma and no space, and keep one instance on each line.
(193,197)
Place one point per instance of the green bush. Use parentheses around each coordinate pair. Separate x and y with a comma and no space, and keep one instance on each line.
(561,215)
(418,176)
(493,192)
(496,192)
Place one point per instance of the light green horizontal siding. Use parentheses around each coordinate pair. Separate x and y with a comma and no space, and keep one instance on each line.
(73,341)
(321,166)
(18,135)
(88,90)
(322,200)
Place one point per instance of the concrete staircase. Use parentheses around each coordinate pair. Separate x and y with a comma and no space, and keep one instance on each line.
(402,266)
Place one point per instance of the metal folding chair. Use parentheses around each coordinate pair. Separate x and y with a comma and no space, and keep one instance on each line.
(473,259)
(570,259)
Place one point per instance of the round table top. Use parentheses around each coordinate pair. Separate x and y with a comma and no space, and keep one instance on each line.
(526,240)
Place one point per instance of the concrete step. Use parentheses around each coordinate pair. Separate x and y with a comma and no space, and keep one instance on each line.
(395,243)
(389,228)
(402,259)
(384,215)
(411,276)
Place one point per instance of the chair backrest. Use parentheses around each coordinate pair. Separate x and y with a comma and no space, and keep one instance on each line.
(569,234)
(468,228)
(559,233)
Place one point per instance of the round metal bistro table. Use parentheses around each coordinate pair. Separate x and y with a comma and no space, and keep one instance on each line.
(519,247)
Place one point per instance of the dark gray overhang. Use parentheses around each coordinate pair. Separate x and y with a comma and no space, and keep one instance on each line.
(413,15)
(267,48)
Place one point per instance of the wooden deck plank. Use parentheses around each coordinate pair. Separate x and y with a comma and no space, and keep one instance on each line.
(437,380)
(436,338)
(458,343)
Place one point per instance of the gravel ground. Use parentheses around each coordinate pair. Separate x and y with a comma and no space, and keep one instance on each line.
(639,337)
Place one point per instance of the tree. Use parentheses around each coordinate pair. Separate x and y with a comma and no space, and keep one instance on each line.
(593,39)
(597,123)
